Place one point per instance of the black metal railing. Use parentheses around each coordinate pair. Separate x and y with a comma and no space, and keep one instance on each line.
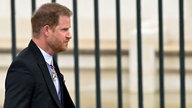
(182,54)
(139,55)
(13,29)
(118,51)
(76,54)
(97,54)
(161,55)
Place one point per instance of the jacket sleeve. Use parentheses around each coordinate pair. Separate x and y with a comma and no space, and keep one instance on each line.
(18,86)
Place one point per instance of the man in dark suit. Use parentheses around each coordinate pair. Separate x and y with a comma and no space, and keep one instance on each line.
(33,79)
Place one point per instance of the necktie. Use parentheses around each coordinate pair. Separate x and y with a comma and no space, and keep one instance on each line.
(55,79)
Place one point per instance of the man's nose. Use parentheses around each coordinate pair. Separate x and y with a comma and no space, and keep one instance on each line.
(69,35)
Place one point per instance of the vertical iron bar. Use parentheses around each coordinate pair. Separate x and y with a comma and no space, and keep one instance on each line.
(76,54)
(56,55)
(161,55)
(53,1)
(33,5)
(139,50)
(13,29)
(118,28)
(97,54)
(182,55)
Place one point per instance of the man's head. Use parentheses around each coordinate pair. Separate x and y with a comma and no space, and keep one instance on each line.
(51,27)
(48,14)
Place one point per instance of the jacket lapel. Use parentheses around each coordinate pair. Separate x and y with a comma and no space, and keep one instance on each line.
(61,80)
(43,66)
(49,83)
(65,97)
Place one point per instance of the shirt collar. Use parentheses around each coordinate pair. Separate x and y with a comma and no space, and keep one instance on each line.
(48,58)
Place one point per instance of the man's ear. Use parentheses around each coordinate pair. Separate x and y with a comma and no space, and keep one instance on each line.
(45,30)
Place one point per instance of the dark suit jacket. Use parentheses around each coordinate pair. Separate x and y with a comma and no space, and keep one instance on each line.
(29,85)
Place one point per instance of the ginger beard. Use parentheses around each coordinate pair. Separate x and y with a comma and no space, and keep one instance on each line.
(58,45)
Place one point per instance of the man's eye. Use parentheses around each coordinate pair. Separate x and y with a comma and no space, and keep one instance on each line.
(65,29)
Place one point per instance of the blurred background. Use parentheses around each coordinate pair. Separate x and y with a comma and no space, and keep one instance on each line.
(117,74)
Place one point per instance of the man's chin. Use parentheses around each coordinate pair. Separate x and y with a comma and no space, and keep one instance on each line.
(64,49)
(61,50)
